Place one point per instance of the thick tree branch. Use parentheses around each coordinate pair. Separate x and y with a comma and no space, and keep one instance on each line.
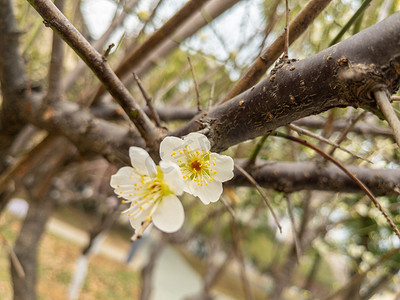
(296,176)
(56,63)
(13,82)
(345,74)
(92,136)
(96,62)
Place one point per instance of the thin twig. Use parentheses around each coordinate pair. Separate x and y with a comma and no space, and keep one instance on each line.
(239,255)
(354,18)
(17,264)
(346,130)
(286,53)
(383,102)
(296,240)
(211,100)
(196,86)
(359,276)
(153,112)
(257,149)
(272,18)
(108,51)
(260,190)
(229,207)
(395,98)
(298,25)
(343,167)
(137,235)
(327,141)
(58,22)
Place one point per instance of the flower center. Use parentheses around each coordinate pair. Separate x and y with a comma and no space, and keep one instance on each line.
(196,165)
(147,195)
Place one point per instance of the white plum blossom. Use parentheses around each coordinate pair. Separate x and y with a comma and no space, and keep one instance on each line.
(151,191)
(202,171)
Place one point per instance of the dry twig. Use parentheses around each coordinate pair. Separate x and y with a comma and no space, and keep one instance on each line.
(13,256)
(196,85)
(137,235)
(327,141)
(57,21)
(148,100)
(383,101)
(286,52)
(260,190)
(296,240)
(343,167)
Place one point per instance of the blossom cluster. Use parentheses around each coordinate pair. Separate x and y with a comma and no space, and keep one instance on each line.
(186,165)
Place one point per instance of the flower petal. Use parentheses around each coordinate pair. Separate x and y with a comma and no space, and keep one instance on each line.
(207,193)
(169,215)
(172,176)
(169,145)
(223,166)
(124,176)
(124,183)
(142,161)
(136,222)
(197,141)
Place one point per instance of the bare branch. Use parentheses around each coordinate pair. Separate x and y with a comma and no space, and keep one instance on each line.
(56,64)
(153,112)
(142,51)
(347,171)
(58,22)
(260,190)
(293,225)
(287,11)
(137,235)
(322,139)
(239,255)
(383,101)
(332,81)
(306,16)
(196,85)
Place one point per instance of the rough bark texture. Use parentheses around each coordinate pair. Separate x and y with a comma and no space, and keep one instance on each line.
(343,75)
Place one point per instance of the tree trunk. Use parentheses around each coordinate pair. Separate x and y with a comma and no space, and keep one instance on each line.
(26,249)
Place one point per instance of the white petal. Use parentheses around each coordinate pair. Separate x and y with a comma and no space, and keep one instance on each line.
(172,176)
(223,166)
(207,193)
(197,141)
(124,176)
(169,145)
(169,215)
(142,161)
(136,222)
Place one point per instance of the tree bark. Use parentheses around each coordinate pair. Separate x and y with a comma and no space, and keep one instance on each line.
(13,81)
(345,74)
(26,248)
(40,209)
(291,177)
